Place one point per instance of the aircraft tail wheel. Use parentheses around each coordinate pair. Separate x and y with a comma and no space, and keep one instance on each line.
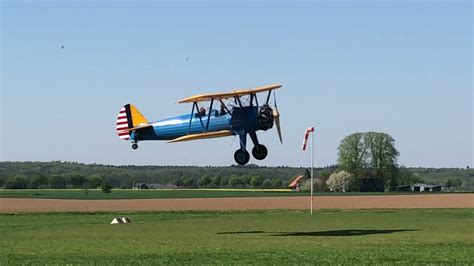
(241,156)
(259,152)
(134,146)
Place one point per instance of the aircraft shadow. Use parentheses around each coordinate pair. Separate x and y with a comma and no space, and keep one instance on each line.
(241,232)
(347,232)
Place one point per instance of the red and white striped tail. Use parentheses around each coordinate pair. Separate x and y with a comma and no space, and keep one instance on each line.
(306,136)
(123,124)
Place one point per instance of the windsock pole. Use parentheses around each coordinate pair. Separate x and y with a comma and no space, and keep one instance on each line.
(306,136)
(312,166)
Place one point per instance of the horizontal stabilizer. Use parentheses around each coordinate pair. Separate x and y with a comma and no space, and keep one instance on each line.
(135,128)
(209,135)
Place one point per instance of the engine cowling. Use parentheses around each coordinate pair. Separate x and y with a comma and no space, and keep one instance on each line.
(265,117)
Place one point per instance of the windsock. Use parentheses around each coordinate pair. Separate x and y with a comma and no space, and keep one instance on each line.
(306,136)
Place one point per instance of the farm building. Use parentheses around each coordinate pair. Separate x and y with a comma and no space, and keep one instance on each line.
(146,186)
(420,188)
(296,183)
(369,184)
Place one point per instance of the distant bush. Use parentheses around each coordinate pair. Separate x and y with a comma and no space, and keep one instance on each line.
(106,187)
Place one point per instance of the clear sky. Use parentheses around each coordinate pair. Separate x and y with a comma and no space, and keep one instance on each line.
(404,68)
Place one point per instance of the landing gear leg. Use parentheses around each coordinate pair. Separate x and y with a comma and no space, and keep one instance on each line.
(259,151)
(242,156)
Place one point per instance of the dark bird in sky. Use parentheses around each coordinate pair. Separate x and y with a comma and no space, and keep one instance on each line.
(62,46)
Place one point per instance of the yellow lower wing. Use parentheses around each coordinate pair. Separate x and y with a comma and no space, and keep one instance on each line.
(209,135)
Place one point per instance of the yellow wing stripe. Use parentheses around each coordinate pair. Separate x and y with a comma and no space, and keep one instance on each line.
(221,96)
(210,135)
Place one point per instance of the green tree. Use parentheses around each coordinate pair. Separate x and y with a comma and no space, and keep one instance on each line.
(216,181)
(106,186)
(449,183)
(179,182)
(267,183)
(320,181)
(372,151)
(383,155)
(277,183)
(234,181)
(204,181)
(405,176)
(57,181)
(245,181)
(352,152)
(38,181)
(457,183)
(16,182)
(224,183)
(188,182)
(393,182)
(307,174)
(77,181)
(95,181)
(256,181)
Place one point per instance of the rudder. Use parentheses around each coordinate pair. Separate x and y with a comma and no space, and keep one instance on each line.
(129,117)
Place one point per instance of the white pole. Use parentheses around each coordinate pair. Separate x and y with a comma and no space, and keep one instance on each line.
(312,184)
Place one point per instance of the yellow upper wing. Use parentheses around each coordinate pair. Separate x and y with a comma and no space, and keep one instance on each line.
(221,96)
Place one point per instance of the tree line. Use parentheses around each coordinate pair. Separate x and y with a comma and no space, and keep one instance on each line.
(234,181)
(366,162)
(19,175)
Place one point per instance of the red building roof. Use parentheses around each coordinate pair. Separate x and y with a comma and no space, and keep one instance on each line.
(295,181)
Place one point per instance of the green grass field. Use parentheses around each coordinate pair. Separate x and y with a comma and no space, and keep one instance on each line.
(255,237)
(167,193)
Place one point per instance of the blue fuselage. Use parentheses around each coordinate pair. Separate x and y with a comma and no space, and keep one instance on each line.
(241,120)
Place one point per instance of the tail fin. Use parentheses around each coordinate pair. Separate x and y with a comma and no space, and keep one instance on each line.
(129,117)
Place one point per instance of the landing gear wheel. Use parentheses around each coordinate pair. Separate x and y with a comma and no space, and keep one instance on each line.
(241,157)
(259,152)
(134,146)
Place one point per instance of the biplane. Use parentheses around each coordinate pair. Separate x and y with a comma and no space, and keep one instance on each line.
(236,113)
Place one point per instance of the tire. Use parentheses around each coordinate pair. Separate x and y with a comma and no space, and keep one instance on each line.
(260,152)
(241,156)
(134,146)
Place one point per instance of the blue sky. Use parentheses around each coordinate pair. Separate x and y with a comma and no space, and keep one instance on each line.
(404,68)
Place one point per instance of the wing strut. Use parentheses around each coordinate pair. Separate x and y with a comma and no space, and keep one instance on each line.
(200,117)
(237,100)
(191,117)
(225,107)
(268,96)
(209,115)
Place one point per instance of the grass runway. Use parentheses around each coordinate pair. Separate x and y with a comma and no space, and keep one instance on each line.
(94,194)
(236,237)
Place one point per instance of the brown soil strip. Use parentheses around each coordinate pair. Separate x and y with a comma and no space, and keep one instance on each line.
(10,205)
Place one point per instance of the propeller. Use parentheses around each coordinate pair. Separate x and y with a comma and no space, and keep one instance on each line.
(276,115)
